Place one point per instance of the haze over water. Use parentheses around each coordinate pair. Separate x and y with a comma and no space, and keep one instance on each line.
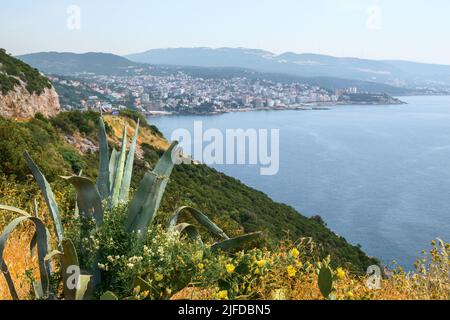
(378,175)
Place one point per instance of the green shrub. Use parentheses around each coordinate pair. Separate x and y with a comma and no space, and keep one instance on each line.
(12,69)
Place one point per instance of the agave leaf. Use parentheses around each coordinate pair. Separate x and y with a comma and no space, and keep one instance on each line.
(201,218)
(190,230)
(115,192)
(68,258)
(48,196)
(89,201)
(76,213)
(103,170)
(125,187)
(235,243)
(112,168)
(142,208)
(42,243)
(35,207)
(148,196)
(85,288)
(33,243)
(325,281)
(108,295)
(38,291)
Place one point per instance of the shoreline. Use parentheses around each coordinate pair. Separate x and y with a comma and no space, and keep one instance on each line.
(300,107)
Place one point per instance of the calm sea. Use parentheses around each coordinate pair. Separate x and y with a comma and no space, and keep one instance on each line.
(378,175)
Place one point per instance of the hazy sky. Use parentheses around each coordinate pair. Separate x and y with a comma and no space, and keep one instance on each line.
(382,29)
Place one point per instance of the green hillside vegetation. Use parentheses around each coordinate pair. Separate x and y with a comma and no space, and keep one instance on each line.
(236,207)
(67,63)
(12,69)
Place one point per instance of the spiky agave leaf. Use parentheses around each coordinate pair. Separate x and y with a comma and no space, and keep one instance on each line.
(103,170)
(85,289)
(82,288)
(48,196)
(115,192)
(89,201)
(201,218)
(125,187)
(112,168)
(90,206)
(147,198)
(236,243)
(76,213)
(190,230)
(42,245)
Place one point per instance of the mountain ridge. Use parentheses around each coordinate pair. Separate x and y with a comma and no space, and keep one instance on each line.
(70,64)
(398,72)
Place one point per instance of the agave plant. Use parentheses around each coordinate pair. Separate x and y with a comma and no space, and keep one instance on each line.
(92,199)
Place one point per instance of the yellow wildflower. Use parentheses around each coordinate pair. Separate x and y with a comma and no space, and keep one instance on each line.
(200,266)
(222,295)
(294,252)
(230,268)
(136,290)
(350,295)
(261,263)
(340,273)
(291,271)
(158,276)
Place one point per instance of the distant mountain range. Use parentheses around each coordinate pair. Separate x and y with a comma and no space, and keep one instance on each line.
(391,77)
(397,73)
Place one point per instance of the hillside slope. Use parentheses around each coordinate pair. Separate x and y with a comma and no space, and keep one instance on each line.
(66,63)
(57,146)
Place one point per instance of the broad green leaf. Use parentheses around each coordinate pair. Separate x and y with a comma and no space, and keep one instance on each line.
(103,170)
(48,196)
(236,243)
(89,201)
(77,212)
(190,230)
(41,241)
(69,258)
(201,218)
(85,288)
(325,281)
(118,176)
(125,187)
(112,168)
(147,198)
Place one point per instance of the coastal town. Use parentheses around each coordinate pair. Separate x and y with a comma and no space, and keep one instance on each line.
(182,93)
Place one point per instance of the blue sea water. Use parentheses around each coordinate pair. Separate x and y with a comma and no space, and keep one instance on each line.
(378,175)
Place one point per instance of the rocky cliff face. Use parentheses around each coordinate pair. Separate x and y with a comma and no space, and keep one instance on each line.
(19,103)
(24,91)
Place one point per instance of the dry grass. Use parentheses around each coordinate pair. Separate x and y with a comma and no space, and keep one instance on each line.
(145,135)
(17,255)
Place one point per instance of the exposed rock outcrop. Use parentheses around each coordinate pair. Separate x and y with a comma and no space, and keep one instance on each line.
(24,91)
(19,103)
